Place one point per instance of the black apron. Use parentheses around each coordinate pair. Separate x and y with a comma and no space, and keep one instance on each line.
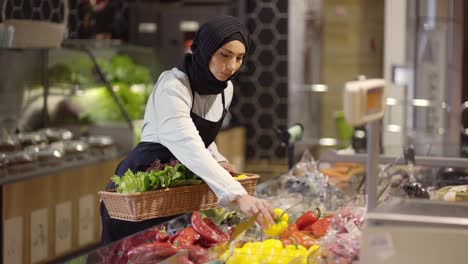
(140,159)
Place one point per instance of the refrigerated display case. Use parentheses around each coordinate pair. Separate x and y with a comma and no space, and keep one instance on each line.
(384,231)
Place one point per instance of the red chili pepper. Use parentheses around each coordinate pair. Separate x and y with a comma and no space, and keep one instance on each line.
(108,254)
(307,219)
(196,253)
(206,231)
(119,259)
(151,252)
(291,228)
(205,243)
(302,239)
(146,236)
(186,237)
(213,226)
(124,245)
(320,228)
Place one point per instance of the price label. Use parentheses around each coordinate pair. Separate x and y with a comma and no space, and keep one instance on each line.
(86,219)
(63,220)
(39,235)
(13,240)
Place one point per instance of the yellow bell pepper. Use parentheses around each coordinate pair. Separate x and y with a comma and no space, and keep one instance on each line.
(295,250)
(270,247)
(240,176)
(270,251)
(313,253)
(280,225)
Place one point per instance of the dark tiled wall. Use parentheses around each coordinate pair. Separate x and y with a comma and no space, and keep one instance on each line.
(52,10)
(261,95)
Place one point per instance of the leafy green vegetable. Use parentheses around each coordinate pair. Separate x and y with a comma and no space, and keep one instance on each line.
(122,69)
(152,180)
(130,182)
(131,82)
(59,73)
(98,105)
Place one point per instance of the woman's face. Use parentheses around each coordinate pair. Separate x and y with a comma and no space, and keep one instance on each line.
(227,60)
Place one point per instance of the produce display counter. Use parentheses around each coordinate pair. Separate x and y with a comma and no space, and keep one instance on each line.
(320,218)
(308,207)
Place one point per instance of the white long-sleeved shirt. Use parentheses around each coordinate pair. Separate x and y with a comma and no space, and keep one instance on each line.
(167,121)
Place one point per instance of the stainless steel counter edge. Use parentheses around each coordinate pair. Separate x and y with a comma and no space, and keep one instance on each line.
(430,161)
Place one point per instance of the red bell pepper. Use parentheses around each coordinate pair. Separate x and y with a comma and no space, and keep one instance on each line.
(308,218)
(320,228)
(291,228)
(185,237)
(162,235)
(206,231)
(302,239)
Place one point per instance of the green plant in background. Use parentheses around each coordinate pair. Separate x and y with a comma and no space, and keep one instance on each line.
(60,73)
(80,72)
(131,83)
(344,131)
(122,69)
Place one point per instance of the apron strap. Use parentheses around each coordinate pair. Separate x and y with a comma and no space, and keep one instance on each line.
(222,98)
(224,101)
(193,99)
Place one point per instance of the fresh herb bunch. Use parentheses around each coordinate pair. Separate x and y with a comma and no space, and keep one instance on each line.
(157,165)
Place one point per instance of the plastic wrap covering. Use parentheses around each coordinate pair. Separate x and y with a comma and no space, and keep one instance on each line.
(341,245)
(302,188)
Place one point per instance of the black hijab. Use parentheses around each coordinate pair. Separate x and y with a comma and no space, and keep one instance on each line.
(209,38)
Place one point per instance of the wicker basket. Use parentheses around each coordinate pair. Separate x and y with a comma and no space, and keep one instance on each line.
(28,33)
(165,202)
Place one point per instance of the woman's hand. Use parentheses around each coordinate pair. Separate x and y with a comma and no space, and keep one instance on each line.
(251,205)
(227,166)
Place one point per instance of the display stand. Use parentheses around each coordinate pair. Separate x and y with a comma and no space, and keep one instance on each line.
(364,102)
(373,151)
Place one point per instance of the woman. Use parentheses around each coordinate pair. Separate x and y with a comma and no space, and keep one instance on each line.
(183,116)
